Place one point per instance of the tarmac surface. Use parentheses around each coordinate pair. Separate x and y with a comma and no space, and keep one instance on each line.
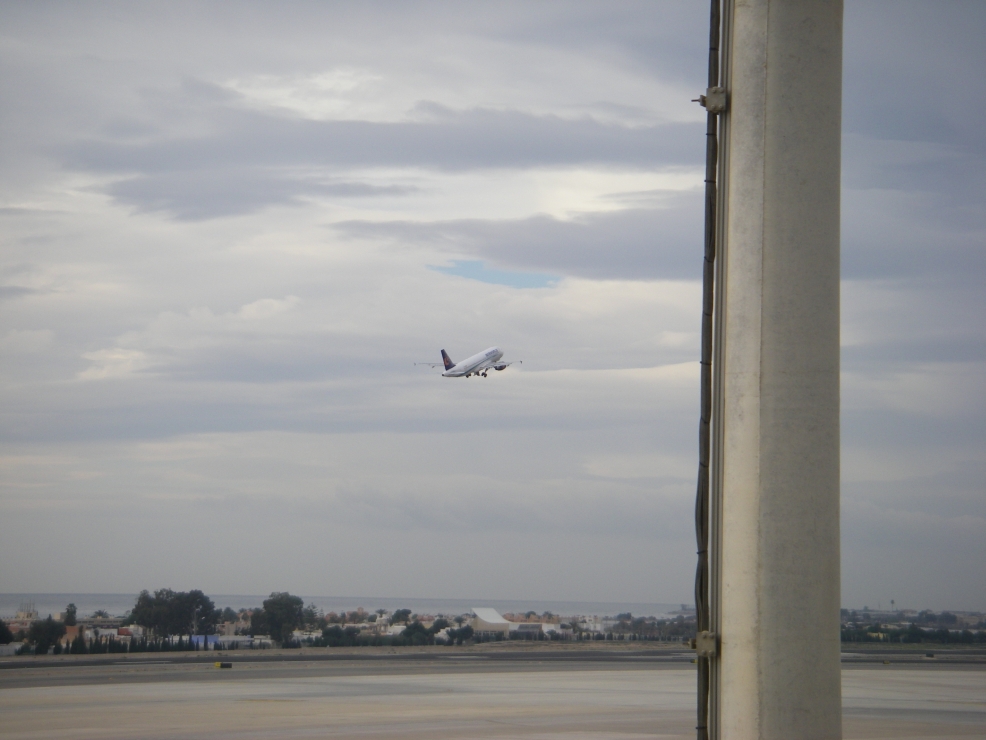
(563,693)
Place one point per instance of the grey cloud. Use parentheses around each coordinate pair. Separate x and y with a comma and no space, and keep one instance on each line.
(914,557)
(913,154)
(265,399)
(878,426)
(644,40)
(914,165)
(451,140)
(948,345)
(919,494)
(204,194)
(239,169)
(307,359)
(644,244)
(953,169)
(912,209)
(9,292)
(887,233)
(890,234)
(612,508)
(914,73)
(891,323)
(20,211)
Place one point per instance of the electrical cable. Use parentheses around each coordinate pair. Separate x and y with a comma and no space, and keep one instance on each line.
(702,606)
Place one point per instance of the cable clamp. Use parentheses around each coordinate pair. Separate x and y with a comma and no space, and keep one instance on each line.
(714,100)
(705,643)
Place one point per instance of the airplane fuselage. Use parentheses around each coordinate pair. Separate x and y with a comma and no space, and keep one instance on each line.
(475,365)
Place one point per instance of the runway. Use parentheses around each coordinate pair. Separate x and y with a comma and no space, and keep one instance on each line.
(548,695)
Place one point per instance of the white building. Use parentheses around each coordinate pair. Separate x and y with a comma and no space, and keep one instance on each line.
(490,622)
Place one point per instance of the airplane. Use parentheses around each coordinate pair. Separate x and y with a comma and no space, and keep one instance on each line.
(480,364)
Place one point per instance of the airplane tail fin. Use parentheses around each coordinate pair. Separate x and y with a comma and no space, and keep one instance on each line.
(447,360)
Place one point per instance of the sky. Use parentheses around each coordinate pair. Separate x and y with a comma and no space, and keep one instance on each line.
(229,230)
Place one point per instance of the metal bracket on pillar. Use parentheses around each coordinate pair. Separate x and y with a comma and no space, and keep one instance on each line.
(714,100)
(705,643)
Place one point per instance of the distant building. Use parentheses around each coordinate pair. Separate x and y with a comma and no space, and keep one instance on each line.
(104,623)
(527,630)
(209,640)
(10,648)
(489,623)
(26,615)
(597,625)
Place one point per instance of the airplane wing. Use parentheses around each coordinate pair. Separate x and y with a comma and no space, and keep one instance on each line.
(430,364)
(498,365)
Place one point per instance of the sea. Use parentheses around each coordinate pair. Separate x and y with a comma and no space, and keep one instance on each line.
(121,604)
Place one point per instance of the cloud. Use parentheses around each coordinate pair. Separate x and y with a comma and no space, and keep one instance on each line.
(632,244)
(205,194)
(445,140)
(914,174)
(471,506)
(890,324)
(26,341)
(477,270)
(113,363)
(253,160)
(891,234)
(905,86)
(639,466)
(933,523)
(944,400)
(10,292)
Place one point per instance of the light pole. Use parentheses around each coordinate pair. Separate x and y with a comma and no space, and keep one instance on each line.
(774,536)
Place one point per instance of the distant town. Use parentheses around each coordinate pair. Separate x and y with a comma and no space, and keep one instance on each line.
(167,620)
(911,626)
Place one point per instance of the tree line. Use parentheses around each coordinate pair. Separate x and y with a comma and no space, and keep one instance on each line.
(166,613)
(912,633)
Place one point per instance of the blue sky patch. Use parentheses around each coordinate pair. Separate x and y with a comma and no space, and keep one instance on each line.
(477,270)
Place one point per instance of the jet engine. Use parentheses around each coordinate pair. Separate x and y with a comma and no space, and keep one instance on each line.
(499,367)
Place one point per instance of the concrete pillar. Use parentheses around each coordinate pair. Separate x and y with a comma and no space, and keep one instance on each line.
(775,565)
